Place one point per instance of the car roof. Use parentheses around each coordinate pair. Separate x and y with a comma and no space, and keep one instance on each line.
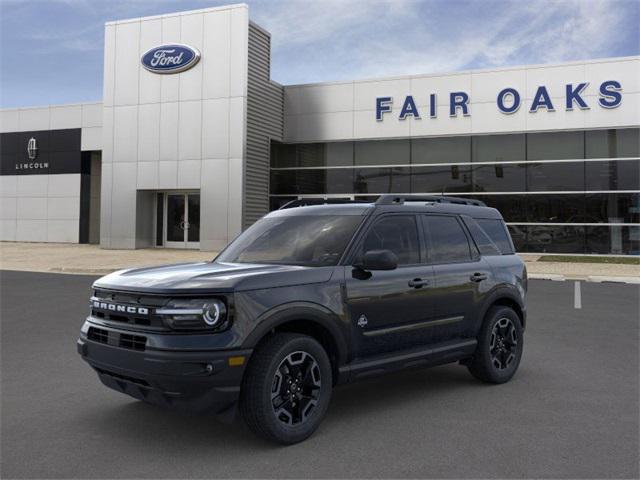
(474,211)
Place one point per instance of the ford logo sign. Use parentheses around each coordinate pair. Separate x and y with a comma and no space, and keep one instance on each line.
(172,58)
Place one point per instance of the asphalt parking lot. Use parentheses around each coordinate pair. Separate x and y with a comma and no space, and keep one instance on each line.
(571,411)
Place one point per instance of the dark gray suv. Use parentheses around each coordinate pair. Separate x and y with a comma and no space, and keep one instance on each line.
(308,297)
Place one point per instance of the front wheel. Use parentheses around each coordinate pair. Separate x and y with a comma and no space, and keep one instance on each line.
(499,347)
(287,388)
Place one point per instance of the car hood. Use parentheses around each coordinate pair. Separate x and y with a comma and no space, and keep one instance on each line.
(212,277)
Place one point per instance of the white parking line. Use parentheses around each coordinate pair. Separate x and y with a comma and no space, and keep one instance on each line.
(577,297)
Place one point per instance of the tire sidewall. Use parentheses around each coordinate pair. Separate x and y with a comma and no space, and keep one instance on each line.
(296,433)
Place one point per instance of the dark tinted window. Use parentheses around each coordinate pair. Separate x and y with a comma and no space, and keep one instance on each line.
(497,232)
(612,208)
(613,143)
(480,237)
(499,148)
(499,178)
(382,152)
(512,207)
(382,180)
(447,241)
(563,176)
(314,240)
(555,208)
(441,150)
(555,145)
(397,233)
(441,179)
(613,175)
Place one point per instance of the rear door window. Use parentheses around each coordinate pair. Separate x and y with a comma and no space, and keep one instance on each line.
(446,239)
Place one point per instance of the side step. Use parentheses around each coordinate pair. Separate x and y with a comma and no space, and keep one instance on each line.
(436,354)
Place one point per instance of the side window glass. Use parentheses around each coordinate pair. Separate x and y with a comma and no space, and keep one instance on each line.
(447,240)
(397,233)
(498,233)
(484,243)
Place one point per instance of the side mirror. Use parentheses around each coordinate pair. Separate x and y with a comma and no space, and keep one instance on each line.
(378,260)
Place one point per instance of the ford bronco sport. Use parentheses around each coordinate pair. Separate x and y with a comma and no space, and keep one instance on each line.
(310,297)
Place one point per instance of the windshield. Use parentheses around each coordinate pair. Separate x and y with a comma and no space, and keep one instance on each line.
(313,240)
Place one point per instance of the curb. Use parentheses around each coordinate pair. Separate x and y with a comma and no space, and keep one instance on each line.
(588,278)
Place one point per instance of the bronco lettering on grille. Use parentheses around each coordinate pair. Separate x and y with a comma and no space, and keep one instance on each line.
(120,308)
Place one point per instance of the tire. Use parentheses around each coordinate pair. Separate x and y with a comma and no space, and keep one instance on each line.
(297,370)
(500,345)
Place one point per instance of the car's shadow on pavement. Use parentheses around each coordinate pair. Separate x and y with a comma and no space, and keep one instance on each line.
(142,424)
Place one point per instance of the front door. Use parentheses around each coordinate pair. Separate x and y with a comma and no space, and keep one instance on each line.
(391,310)
(182,220)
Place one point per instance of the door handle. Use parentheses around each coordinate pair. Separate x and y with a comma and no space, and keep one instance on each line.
(478,277)
(418,283)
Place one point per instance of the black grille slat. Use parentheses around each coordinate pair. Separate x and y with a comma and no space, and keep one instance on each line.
(126,378)
(133,342)
(122,340)
(98,335)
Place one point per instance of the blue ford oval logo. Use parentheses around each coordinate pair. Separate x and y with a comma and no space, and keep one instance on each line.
(172,58)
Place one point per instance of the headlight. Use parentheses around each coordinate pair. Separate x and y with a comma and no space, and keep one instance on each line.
(200,314)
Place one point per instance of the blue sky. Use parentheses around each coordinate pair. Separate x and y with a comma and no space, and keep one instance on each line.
(51,50)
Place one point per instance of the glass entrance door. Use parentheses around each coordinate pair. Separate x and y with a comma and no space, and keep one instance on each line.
(182,220)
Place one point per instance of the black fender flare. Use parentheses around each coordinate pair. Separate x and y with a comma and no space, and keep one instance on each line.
(500,293)
(306,311)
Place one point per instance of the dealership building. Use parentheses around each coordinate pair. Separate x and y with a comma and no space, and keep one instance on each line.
(193,142)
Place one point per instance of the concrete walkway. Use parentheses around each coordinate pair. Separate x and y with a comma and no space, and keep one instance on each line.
(87,259)
(72,258)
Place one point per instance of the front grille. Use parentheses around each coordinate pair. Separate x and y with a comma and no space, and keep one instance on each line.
(128,301)
(122,340)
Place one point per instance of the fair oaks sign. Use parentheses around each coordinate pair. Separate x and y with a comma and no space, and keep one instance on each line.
(508,101)
(173,58)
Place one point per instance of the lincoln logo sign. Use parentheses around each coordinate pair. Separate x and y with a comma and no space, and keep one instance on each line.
(508,101)
(172,58)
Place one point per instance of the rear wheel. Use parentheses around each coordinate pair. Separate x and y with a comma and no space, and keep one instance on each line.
(287,388)
(499,348)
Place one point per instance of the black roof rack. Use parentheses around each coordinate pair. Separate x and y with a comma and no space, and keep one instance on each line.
(400,199)
(305,202)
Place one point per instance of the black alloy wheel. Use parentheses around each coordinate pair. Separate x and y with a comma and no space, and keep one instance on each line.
(295,390)
(504,343)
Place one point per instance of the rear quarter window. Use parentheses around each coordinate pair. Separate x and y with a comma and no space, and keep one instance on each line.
(498,233)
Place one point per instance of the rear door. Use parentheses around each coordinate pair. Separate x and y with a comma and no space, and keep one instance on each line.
(388,309)
(461,276)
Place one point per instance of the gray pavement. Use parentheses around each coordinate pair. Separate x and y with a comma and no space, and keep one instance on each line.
(571,411)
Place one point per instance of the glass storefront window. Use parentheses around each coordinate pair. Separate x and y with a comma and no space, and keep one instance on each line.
(613,175)
(283,155)
(612,208)
(556,208)
(555,145)
(441,150)
(382,152)
(612,143)
(512,207)
(613,240)
(549,177)
(549,238)
(499,178)
(499,148)
(382,180)
(443,179)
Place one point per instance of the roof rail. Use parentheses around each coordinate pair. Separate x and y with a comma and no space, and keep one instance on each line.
(305,202)
(400,199)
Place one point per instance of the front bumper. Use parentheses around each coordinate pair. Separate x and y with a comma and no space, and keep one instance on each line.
(203,380)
